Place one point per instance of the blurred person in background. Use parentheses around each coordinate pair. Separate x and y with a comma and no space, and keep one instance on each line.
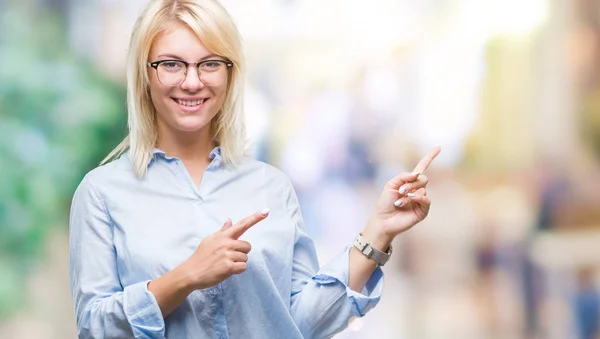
(153,249)
(586,305)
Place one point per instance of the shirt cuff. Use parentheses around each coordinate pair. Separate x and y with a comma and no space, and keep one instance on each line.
(142,311)
(336,271)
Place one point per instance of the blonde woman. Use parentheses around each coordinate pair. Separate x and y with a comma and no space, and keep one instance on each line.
(154,251)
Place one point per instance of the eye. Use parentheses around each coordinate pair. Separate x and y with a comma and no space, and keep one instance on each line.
(210,66)
(171,65)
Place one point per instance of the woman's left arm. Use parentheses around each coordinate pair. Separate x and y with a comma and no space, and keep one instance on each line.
(402,204)
(323,300)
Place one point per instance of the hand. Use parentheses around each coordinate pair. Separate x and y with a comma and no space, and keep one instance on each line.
(402,204)
(221,254)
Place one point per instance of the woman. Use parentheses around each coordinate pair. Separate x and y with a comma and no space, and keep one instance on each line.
(154,251)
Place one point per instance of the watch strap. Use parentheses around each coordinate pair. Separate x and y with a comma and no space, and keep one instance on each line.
(371,252)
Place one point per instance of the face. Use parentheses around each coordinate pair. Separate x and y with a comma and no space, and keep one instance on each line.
(190,106)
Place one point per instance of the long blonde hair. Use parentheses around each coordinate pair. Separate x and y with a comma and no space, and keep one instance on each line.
(218,33)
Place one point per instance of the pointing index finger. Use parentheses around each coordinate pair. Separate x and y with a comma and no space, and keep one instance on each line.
(426,161)
(242,226)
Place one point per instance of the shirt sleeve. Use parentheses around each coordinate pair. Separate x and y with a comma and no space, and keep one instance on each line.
(103,308)
(321,301)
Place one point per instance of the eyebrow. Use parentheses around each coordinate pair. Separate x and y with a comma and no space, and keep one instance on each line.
(210,56)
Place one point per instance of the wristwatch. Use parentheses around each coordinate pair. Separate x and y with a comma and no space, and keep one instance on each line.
(371,252)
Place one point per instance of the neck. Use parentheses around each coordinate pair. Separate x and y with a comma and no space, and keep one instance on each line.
(193,147)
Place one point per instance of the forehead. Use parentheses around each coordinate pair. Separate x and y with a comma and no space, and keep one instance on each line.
(178,39)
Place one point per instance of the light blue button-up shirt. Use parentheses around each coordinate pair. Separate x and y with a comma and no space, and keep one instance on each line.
(125,232)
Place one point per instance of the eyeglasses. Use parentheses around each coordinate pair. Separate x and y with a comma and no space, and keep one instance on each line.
(173,72)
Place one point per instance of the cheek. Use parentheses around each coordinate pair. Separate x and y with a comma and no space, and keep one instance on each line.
(220,96)
(158,94)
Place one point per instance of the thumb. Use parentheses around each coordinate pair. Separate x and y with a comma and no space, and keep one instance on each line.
(227,224)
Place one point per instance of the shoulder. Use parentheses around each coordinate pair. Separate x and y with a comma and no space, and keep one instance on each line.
(117,168)
(106,173)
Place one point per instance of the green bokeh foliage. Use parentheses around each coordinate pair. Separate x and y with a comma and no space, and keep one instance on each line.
(58,117)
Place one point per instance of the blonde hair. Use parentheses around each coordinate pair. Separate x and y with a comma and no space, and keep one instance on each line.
(218,33)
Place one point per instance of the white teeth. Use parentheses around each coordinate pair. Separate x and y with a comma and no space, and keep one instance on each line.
(190,103)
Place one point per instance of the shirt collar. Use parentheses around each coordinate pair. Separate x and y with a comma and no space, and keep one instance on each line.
(215,154)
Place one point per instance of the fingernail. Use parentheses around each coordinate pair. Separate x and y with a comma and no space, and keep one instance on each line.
(398,203)
(229,220)
(265,211)
(416,173)
(402,190)
(412,195)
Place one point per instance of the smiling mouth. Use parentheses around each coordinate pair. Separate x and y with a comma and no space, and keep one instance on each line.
(190,103)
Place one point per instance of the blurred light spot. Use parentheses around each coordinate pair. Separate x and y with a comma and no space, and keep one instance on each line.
(515,17)
(355,324)
(31,147)
(257,111)
(301,160)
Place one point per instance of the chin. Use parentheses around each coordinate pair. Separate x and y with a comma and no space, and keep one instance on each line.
(191,124)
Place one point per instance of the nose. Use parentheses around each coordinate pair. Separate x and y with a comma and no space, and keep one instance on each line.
(192,81)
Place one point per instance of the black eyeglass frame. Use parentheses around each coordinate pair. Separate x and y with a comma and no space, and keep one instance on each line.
(157,63)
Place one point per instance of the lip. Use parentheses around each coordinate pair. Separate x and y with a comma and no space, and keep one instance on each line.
(189,98)
(190,109)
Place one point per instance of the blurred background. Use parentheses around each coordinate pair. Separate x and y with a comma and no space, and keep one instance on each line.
(342,95)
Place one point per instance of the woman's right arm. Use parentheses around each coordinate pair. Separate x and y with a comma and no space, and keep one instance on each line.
(105,309)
